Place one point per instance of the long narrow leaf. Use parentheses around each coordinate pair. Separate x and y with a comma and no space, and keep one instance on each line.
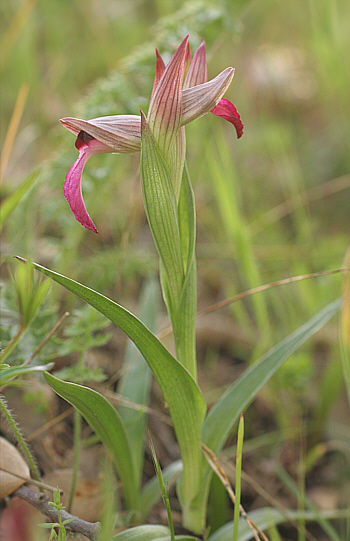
(7,374)
(223,415)
(146,532)
(266,517)
(107,424)
(150,532)
(184,321)
(11,202)
(181,393)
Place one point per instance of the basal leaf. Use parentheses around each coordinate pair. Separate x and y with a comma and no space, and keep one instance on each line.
(146,532)
(107,424)
(180,391)
(223,415)
(266,517)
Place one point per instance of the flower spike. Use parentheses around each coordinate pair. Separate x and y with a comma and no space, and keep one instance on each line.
(180,95)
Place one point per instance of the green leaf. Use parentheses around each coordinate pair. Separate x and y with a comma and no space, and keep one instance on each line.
(221,418)
(180,391)
(237,505)
(223,415)
(149,532)
(187,220)
(184,320)
(9,373)
(11,202)
(106,422)
(267,517)
(161,209)
(146,532)
(180,538)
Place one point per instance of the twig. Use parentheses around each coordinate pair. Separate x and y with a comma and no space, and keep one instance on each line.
(49,424)
(51,333)
(31,481)
(300,200)
(259,289)
(217,468)
(40,501)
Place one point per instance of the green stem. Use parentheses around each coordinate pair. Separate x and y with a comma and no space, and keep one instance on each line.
(77,436)
(19,438)
(12,344)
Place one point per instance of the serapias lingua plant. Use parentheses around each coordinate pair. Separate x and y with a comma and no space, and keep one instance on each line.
(181,94)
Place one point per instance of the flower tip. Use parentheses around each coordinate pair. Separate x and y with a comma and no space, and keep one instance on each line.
(70,124)
(65,121)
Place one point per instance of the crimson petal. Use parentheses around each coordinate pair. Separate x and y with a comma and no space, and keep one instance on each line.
(228,111)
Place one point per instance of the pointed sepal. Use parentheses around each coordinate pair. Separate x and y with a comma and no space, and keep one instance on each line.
(165,110)
(201,99)
(197,72)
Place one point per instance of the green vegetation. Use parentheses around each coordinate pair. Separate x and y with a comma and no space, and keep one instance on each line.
(271,205)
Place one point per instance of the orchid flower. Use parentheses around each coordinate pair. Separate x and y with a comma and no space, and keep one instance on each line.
(181,94)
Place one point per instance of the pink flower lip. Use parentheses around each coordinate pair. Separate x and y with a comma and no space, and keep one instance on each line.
(87,146)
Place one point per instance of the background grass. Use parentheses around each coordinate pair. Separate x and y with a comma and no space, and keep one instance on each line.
(271,205)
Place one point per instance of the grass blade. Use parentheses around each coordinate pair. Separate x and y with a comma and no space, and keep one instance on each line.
(151,492)
(238,478)
(13,200)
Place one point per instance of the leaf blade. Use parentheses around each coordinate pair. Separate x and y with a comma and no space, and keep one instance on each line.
(107,424)
(218,424)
